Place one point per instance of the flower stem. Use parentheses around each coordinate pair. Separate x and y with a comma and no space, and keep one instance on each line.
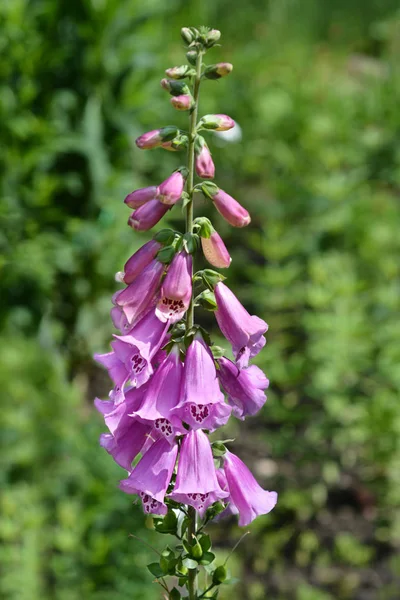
(191,530)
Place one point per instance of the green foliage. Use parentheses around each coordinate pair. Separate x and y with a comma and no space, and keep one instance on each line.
(315,89)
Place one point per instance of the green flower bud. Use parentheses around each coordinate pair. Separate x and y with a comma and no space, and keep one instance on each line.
(196,551)
(192,56)
(175,88)
(212,37)
(219,575)
(187,35)
(217,71)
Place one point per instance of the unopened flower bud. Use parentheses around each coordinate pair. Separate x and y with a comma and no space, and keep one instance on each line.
(180,142)
(146,216)
(170,190)
(219,575)
(192,56)
(154,139)
(138,261)
(217,122)
(212,37)
(184,102)
(230,209)
(204,163)
(175,88)
(187,35)
(217,71)
(179,72)
(140,197)
(215,251)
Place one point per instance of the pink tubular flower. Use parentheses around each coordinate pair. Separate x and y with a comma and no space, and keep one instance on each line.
(215,251)
(231,210)
(127,436)
(132,354)
(170,190)
(202,402)
(247,496)
(182,102)
(217,122)
(204,163)
(154,139)
(152,475)
(162,396)
(196,480)
(243,331)
(176,289)
(138,261)
(148,215)
(243,387)
(140,197)
(136,299)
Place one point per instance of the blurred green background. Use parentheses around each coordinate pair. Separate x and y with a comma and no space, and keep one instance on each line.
(315,89)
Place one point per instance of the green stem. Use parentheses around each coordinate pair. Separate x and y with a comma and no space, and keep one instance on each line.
(191,530)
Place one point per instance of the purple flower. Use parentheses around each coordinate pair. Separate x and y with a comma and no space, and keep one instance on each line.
(138,261)
(196,480)
(151,476)
(127,436)
(162,396)
(246,495)
(215,251)
(202,402)
(243,387)
(132,354)
(140,197)
(176,289)
(204,163)
(148,215)
(170,190)
(140,296)
(243,331)
(231,210)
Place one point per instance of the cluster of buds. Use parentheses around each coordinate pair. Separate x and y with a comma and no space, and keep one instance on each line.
(171,385)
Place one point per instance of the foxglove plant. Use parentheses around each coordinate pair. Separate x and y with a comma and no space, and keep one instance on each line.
(172,387)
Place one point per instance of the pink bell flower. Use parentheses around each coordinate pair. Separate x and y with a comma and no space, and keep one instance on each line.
(196,480)
(215,251)
(244,387)
(148,215)
(176,289)
(138,297)
(202,403)
(152,475)
(138,261)
(140,197)
(248,498)
(170,190)
(242,330)
(204,164)
(231,210)
(182,102)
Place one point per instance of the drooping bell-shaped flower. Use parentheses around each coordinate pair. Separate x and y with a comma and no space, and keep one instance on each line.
(202,403)
(138,261)
(170,190)
(137,299)
(127,435)
(148,215)
(230,209)
(151,476)
(140,197)
(137,349)
(244,387)
(242,330)
(162,396)
(196,480)
(176,289)
(215,251)
(203,162)
(245,493)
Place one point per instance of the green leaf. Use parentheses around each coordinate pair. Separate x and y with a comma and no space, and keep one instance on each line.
(205,542)
(207,558)
(174,594)
(189,563)
(155,569)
